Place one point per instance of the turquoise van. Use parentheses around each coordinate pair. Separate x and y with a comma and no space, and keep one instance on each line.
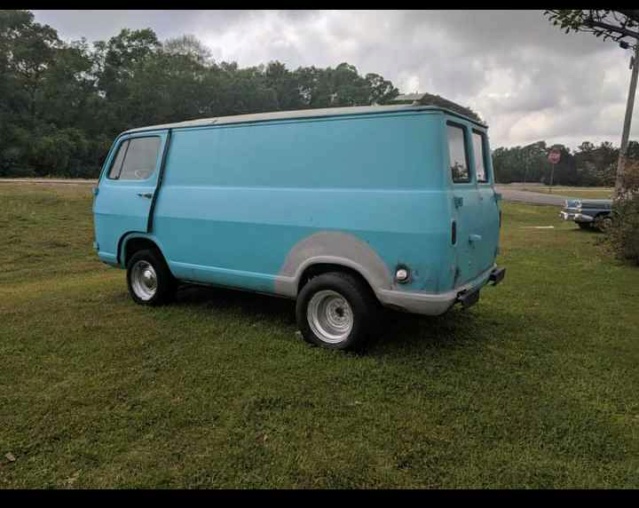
(342,209)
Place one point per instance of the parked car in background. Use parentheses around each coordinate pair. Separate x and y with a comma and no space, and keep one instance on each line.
(588,213)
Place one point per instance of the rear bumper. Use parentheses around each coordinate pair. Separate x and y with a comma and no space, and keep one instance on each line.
(430,304)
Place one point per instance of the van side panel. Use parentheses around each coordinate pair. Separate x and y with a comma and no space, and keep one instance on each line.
(237,199)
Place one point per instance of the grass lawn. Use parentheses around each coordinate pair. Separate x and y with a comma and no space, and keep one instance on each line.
(534,387)
(573,192)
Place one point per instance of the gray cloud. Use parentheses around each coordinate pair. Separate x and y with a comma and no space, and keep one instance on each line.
(528,79)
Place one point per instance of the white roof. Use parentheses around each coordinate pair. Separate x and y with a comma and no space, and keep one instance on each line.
(284,115)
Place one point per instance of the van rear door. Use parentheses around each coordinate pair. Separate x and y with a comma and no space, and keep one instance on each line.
(475,209)
(125,192)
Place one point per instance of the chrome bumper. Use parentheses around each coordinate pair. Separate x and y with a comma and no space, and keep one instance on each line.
(577,217)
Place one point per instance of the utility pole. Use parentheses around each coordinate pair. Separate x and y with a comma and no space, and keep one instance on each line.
(634,62)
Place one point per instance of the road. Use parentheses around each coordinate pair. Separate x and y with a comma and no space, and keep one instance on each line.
(509,194)
(533,198)
(50,181)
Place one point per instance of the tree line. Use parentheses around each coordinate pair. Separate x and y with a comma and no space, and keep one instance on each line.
(588,165)
(63,103)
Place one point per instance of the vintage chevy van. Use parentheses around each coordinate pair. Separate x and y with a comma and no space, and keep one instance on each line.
(342,209)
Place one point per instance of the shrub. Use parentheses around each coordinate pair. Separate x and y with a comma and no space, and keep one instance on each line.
(623,235)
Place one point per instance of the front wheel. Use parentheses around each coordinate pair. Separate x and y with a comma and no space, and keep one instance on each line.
(603,222)
(149,279)
(583,225)
(336,310)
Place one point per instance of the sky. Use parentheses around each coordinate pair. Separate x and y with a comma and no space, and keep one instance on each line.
(528,79)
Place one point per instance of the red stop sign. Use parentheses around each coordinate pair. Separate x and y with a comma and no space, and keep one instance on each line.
(554,156)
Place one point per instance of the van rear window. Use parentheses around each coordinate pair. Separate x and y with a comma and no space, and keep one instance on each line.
(480,157)
(458,155)
(136,159)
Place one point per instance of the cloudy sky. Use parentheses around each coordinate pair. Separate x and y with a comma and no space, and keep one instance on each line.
(528,79)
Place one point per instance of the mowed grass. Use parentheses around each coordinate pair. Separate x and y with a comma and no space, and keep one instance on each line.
(534,387)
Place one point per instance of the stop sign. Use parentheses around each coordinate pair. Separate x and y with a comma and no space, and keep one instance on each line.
(554,156)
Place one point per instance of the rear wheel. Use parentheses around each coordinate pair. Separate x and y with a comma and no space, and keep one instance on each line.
(149,279)
(336,310)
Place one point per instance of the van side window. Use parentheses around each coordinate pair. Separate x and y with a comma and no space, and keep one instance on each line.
(117,162)
(458,155)
(136,159)
(480,157)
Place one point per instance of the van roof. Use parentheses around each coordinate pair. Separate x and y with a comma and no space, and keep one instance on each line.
(301,113)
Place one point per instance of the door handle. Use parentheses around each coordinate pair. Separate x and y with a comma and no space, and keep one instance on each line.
(147,195)
(473,238)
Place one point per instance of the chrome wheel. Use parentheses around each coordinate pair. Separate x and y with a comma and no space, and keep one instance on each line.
(144,280)
(330,316)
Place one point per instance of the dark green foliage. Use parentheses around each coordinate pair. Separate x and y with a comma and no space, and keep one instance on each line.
(589,165)
(61,104)
(623,236)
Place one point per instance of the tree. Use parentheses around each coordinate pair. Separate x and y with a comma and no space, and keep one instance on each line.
(188,46)
(285,85)
(381,90)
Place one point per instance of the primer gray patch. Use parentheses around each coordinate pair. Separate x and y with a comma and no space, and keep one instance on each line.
(336,248)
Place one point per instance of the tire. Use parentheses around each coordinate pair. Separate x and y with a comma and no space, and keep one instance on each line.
(149,279)
(336,310)
(583,225)
(603,222)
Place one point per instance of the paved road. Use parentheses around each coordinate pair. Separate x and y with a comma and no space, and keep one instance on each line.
(509,194)
(534,198)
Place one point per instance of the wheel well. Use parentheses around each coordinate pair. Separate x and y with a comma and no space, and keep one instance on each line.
(320,268)
(135,244)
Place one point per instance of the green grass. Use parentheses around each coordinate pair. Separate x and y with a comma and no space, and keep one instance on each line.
(534,387)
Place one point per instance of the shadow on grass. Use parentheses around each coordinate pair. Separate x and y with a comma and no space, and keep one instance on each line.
(267,307)
(587,231)
(404,332)
(400,332)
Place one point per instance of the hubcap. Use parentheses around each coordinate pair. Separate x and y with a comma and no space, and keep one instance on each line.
(144,280)
(330,316)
